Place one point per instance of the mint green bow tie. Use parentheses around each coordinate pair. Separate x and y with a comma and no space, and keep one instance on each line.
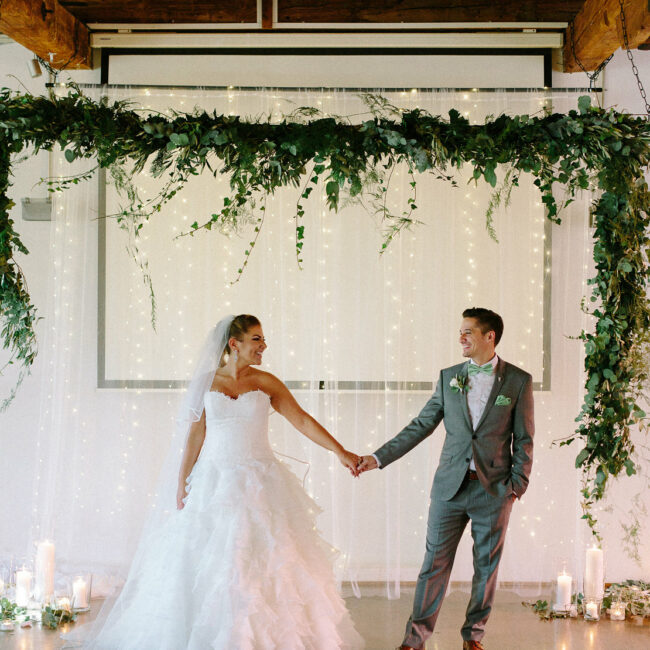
(475,369)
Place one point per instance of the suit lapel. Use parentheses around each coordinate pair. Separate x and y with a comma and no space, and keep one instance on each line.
(496,388)
(463,397)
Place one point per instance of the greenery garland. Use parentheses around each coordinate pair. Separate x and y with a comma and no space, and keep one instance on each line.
(589,148)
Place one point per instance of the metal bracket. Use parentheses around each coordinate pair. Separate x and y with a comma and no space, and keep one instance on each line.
(37,209)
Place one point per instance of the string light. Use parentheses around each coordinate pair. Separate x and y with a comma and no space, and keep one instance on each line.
(406,273)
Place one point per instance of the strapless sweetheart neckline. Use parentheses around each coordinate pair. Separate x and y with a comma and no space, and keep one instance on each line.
(236,399)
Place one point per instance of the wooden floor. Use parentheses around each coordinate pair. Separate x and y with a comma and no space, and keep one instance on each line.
(381,623)
(511,627)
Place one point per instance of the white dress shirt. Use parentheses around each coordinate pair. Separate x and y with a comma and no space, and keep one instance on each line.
(479,388)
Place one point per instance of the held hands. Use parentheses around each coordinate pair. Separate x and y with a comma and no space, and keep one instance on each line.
(349,460)
(357,464)
(366,463)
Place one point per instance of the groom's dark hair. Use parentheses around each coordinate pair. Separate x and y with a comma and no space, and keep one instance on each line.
(487,320)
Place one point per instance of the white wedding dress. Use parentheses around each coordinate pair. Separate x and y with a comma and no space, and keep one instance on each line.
(242,565)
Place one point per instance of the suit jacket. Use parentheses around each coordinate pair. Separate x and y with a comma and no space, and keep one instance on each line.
(501,443)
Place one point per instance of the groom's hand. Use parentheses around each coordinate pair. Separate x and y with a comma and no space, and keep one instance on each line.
(367,463)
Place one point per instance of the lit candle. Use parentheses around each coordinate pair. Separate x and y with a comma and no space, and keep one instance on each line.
(591,610)
(44,578)
(23,586)
(563,591)
(594,579)
(617,611)
(64,604)
(79,596)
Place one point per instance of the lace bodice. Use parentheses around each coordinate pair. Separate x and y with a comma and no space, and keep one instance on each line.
(237,429)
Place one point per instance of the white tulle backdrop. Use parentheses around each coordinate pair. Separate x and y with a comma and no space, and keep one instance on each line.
(359,336)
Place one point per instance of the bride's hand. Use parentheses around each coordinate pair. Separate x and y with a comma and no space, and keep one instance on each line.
(349,460)
(180,495)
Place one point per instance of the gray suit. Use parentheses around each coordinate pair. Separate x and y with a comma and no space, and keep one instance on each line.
(501,444)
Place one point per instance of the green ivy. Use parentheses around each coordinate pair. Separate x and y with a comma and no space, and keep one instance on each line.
(588,148)
(52,617)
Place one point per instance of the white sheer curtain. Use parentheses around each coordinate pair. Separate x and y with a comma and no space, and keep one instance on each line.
(361,337)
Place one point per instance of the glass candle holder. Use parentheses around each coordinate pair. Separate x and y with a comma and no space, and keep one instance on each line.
(63,603)
(23,586)
(81,592)
(594,575)
(592,609)
(5,579)
(44,572)
(62,594)
(617,611)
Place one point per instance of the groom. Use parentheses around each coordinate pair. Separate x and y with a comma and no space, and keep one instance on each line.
(487,407)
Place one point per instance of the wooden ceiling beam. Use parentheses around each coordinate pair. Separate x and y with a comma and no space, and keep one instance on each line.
(44,27)
(597,31)
(267,14)
(165,11)
(417,11)
(329,12)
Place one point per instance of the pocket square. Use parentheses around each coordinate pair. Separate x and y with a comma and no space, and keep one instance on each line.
(502,400)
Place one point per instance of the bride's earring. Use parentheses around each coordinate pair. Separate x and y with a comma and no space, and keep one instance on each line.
(235,355)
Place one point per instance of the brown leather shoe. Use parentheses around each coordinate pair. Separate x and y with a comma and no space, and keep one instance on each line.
(472,645)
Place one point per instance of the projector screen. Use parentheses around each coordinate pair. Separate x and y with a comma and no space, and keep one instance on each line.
(350,315)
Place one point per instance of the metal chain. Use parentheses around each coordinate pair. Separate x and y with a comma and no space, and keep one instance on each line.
(593,75)
(635,70)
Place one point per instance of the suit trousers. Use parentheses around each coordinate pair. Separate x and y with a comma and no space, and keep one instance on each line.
(489,517)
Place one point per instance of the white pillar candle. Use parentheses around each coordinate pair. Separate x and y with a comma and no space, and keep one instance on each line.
(591,610)
(23,586)
(594,578)
(44,579)
(563,591)
(2,586)
(79,595)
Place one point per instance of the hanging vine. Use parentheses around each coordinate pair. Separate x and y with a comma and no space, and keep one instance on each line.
(585,148)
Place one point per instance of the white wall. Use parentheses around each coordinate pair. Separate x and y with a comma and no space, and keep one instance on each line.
(620,90)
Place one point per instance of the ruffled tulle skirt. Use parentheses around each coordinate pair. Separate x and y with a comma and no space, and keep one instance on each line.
(241,566)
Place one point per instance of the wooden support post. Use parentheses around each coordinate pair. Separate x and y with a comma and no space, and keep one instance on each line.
(597,31)
(44,27)
(267,14)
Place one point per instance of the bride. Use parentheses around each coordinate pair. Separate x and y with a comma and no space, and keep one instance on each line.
(239,563)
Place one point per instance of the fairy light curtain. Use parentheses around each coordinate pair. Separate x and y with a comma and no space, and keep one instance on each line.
(359,336)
